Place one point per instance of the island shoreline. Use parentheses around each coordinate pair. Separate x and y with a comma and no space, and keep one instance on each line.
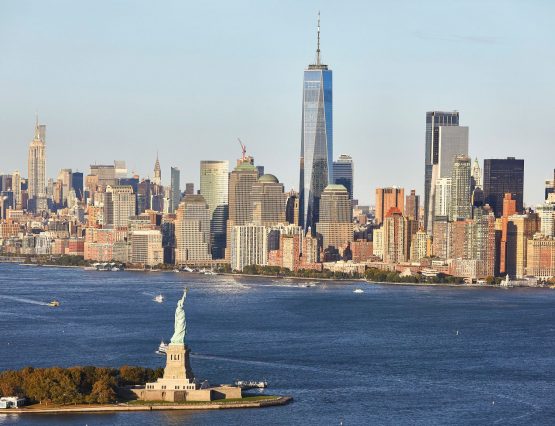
(201,406)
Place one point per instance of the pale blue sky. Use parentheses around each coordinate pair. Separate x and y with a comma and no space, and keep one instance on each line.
(122,79)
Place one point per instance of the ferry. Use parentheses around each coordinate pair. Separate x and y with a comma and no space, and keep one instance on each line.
(159,298)
(251,384)
(54,303)
(358,290)
(162,348)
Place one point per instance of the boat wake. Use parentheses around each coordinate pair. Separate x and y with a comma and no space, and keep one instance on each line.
(22,300)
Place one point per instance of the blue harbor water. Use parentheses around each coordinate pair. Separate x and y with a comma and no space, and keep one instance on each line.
(390,355)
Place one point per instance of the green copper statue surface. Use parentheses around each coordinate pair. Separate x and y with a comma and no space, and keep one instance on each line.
(180,327)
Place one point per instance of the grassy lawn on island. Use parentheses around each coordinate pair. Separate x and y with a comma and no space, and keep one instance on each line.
(253,398)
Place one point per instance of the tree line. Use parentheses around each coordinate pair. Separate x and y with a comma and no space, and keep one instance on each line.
(74,385)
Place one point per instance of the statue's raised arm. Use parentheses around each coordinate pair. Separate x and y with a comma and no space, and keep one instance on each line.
(180,326)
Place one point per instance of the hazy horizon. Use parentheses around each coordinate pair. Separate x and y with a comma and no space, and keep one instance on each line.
(125,80)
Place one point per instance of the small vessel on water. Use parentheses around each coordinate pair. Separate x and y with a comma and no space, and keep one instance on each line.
(251,384)
(54,303)
(209,272)
(162,348)
(358,290)
(159,298)
(187,269)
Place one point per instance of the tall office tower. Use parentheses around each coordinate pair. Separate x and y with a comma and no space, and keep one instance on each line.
(550,186)
(477,197)
(546,212)
(192,230)
(476,174)
(387,198)
(292,208)
(509,209)
(77,184)
(412,205)
(64,177)
(460,201)
(442,198)
(241,181)
(316,170)
(190,188)
(343,173)
(105,173)
(453,142)
(157,179)
(175,190)
(268,201)
(120,169)
(521,228)
(5,182)
(502,176)
(16,188)
(483,240)
(248,245)
(335,225)
(119,205)
(394,236)
(37,171)
(434,119)
(214,188)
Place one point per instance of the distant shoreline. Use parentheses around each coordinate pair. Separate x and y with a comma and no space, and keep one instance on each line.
(309,279)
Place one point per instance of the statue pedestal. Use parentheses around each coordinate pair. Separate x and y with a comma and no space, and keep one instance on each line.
(178,366)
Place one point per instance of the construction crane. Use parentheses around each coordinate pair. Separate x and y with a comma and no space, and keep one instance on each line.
(243,149)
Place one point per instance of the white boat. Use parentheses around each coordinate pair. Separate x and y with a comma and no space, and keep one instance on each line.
(187,269)
(159,298)
(176,270)
(251,384)
(358,290)
(209,273)
(162,348)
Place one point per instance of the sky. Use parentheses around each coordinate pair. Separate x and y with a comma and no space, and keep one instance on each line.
(127,79)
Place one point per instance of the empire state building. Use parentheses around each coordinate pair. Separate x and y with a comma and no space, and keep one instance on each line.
(316,170)
(37,171)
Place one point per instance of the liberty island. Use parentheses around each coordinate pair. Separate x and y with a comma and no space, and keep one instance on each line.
(178,386)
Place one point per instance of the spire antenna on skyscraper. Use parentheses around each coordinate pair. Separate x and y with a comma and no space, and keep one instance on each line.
(318,43)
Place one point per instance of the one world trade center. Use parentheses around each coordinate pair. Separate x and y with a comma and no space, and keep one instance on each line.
(316,139)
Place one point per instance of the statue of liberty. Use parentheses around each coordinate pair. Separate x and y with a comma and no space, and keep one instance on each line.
(180,322)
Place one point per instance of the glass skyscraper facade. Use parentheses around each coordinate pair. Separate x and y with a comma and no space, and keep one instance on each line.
(343,173)
(214,188)
(502,176)
(434,119)
(316,170)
